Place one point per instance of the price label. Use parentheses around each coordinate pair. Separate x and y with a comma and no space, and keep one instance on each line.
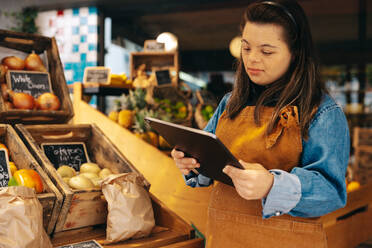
(5,173)
(32,83)
(71,154)
(85,244)
(97,74)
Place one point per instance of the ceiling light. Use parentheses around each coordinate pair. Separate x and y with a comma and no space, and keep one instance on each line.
(170,41)
(235,46)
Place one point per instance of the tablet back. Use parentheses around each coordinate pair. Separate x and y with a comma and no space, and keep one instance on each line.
(205,147)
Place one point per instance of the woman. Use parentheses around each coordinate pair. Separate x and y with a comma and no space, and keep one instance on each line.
(287,132)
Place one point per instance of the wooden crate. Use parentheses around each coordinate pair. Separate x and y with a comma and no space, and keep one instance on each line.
(51,198)
(28,43)
(351,225)
(362,144)
(170,231)
(83,208)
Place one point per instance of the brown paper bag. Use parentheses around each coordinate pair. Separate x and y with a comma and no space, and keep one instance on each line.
(21,219)
(130,213)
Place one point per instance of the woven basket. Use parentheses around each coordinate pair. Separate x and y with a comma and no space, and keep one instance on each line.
(174,95)
(205,98)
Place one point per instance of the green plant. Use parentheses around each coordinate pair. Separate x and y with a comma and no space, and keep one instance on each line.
(24,19)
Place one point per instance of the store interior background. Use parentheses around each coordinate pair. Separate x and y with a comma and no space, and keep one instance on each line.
(91,33)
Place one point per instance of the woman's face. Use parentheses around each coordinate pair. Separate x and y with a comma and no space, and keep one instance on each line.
(265,53)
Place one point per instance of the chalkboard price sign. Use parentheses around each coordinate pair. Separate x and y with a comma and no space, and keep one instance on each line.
(163,77)
(30,82)
(98,74)
(4,168)
(85,244)
(72,154)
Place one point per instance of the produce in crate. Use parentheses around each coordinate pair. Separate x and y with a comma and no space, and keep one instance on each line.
(88,177)
(22,100)
(13,63)
(207,112)
(28,178)
(48,101)
(34,63)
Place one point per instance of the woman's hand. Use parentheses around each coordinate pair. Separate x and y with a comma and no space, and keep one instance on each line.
(252,183)
(184,164)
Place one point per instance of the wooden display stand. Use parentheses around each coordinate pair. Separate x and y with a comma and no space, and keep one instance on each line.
(166,181)
(168,60)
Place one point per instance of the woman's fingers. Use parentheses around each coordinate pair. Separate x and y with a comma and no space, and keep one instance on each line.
(177,154)
(185,171)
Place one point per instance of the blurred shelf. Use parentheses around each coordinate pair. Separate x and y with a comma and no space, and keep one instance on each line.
(102,89)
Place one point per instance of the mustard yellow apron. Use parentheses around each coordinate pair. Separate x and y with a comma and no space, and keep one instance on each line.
(235,222)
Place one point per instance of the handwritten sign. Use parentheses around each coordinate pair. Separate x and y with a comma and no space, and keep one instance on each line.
(72,154)
(153,46)
(84,244)
(97,74)
(30,82)
(4,168)
(163,77)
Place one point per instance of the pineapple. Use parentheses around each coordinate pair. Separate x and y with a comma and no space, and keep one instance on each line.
(125,118)
(142,130)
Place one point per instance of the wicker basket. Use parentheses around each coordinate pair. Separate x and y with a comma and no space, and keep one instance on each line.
(174,95)
(205,98)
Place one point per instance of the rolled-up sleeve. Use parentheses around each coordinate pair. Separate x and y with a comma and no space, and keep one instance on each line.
(320,188)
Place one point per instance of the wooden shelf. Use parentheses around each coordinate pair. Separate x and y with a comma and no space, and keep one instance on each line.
(102,89)
(154,60)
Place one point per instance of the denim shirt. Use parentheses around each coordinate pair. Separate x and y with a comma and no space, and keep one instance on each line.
(317,185)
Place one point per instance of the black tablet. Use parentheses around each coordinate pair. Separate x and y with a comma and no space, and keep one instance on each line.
(205,147)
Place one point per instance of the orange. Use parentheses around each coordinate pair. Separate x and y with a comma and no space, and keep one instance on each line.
(353,185)
(4,146)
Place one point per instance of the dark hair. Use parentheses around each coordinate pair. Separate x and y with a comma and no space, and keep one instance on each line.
(301,84)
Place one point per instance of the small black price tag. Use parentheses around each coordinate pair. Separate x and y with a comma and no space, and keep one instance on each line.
(5,173)
(30,82)
(72,154)
(84,244)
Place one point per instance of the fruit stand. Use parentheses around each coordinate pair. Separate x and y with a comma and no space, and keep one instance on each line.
(72,211)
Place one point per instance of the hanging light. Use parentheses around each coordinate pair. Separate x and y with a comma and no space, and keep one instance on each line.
(235,46)
(170,41)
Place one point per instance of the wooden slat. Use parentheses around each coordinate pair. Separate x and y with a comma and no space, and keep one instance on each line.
(356,199)
(157,239)
(191,243)
(362,137)
(51,199)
